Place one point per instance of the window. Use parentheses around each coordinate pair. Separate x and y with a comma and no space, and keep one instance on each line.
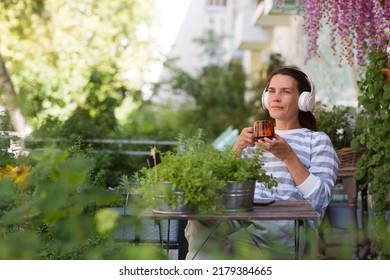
(216,2)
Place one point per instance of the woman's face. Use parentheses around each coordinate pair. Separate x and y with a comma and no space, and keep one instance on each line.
(283,98)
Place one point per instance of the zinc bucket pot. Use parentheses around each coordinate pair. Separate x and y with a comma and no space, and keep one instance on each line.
(239,197)
(165,208)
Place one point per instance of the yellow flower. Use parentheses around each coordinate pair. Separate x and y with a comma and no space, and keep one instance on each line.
(17,173)
(6,170)
(20,173)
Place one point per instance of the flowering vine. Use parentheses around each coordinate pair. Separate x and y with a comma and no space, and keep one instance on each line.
(359,25)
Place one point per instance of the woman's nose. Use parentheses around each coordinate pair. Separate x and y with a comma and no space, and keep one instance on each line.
(276,97)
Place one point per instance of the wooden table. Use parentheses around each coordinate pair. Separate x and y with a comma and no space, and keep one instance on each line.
(297,210)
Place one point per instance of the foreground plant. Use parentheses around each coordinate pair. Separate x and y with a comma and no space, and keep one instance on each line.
(201,172)
(56,212)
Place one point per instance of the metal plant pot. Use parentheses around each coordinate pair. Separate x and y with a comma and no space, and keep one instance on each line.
(239,197)
(163,207)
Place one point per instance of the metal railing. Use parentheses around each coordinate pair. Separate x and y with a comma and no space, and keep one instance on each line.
(18,144)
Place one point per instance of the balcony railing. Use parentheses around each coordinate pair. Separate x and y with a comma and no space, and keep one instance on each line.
(110,146)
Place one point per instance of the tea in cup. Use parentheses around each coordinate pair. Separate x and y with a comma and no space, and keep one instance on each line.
(263,128)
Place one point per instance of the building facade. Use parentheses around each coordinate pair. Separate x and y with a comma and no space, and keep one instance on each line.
(252,30)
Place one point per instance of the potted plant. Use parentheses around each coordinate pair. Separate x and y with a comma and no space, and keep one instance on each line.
(129,189)
(338,122)
(199,176)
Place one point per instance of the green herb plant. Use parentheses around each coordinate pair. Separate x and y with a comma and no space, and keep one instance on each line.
(200,171)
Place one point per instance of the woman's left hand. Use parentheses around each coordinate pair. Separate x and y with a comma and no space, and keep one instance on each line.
(277,146)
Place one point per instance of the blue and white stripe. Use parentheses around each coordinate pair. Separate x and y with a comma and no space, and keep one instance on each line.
(316,152)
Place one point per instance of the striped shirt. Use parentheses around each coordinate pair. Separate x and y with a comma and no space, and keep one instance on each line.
(316,152)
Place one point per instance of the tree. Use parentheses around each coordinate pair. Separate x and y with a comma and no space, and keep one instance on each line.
(53,47)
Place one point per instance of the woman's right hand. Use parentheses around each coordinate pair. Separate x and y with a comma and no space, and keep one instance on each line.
(244,140)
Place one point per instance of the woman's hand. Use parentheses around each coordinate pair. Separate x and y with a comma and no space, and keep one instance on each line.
(278,147)
(282,150)
(244,140)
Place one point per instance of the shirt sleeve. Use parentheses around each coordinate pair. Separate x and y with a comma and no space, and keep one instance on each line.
(324,164)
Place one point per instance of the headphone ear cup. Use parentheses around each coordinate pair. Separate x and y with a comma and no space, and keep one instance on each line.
(264,100)
(306,101)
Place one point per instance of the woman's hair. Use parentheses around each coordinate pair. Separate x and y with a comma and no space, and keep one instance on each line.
(306,119)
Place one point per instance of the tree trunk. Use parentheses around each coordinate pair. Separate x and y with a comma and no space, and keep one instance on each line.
(8,96)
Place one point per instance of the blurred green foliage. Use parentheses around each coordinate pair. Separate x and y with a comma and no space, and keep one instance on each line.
(59,212)
(374,167)
(60,53)
(338,122)
(78,69)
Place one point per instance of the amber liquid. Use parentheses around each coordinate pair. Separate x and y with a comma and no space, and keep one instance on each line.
(262,129)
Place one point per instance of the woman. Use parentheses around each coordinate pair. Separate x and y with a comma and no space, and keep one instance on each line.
(302,160)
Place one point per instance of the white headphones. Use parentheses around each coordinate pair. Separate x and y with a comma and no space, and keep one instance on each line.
(306,99)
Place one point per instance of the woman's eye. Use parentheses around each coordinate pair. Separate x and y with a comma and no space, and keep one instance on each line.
(283,92)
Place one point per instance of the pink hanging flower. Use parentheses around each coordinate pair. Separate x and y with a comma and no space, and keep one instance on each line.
(356,26)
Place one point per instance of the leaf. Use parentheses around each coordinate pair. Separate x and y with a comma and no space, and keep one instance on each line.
(106,220)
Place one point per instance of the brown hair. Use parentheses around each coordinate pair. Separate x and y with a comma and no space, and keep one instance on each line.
(306,119)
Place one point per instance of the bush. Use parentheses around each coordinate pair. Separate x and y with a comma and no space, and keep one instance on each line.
(339,123)
(58,212)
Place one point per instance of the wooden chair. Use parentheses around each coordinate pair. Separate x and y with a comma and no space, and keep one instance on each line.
(350,187)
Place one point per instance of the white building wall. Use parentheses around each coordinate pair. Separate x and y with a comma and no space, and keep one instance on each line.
(184,48)
(253,44)
(202,17)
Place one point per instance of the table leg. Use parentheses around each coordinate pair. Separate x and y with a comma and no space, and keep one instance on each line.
(208,237)
(296,238)
(365,239)
(349,183)
(158,222)
(250,234)
(168,235)
(182,248)
(298,226)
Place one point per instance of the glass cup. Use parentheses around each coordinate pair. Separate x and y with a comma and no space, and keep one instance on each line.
(263,128)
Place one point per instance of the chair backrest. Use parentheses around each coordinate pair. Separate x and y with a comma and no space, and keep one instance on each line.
(348,158)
